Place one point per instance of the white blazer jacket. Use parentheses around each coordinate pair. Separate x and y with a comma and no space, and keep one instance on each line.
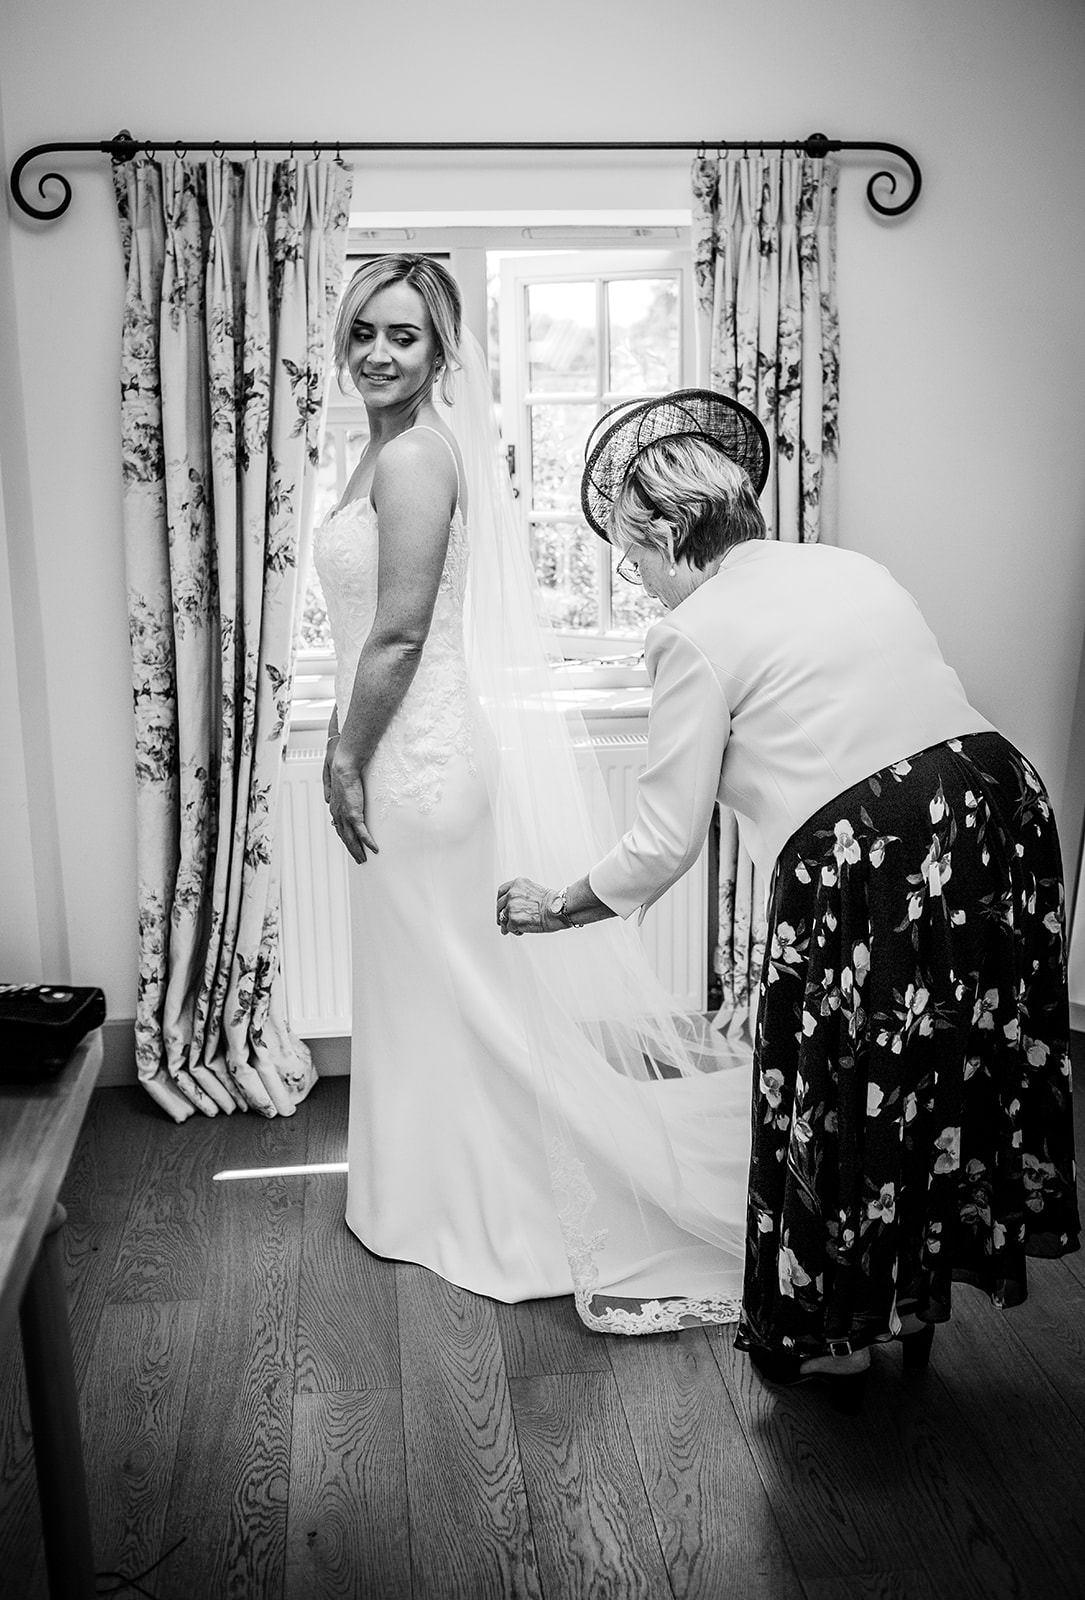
(792,674)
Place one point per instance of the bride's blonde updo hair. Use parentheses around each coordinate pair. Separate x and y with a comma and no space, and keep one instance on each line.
(687,491)
(440,293)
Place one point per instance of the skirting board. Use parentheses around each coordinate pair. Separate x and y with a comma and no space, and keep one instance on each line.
(331,1057)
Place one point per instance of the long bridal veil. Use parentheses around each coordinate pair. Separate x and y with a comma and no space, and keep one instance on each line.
(643,1110)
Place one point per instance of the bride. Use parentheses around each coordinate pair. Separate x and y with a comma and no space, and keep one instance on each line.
(527,1118)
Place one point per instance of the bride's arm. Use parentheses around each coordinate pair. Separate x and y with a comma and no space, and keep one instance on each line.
(413,492)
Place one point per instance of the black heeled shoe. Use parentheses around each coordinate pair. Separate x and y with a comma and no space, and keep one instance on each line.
(916,1348)
(845,1390)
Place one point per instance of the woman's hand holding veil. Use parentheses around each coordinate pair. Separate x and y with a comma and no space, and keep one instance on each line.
(521,908)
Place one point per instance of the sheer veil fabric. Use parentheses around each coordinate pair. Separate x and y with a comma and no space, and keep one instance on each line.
(645,1112)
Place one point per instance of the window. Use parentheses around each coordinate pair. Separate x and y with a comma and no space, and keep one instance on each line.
(345,438)
(570,332)
(580,333)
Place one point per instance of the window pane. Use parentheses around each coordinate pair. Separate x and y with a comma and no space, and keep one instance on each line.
(642,315)
(314,631)
(565,565)
(561,340)
(327,489)
(558,435)
(631,609)
(339,453)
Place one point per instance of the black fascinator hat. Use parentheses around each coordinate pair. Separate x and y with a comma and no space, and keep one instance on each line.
(618,439)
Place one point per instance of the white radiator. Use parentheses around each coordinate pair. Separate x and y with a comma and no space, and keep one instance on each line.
(316,919)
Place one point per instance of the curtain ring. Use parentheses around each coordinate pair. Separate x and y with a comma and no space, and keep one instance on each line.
(292,150)
(702,151)
(180,150)
(316,149)
(218,149)
(255,153)
(338,153)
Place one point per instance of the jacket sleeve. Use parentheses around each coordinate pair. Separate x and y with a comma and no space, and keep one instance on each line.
(688,727)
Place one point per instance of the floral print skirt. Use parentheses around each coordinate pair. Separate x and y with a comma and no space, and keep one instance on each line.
(912,1120)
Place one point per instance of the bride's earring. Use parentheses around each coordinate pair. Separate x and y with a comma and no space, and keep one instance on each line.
(674,569)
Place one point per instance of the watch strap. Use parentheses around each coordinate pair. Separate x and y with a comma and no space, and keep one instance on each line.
(558,908)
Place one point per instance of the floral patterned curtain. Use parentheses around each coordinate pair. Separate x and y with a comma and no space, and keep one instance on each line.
(764,249)
(233,272)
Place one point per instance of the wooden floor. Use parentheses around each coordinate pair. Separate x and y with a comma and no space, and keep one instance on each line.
(290,1417)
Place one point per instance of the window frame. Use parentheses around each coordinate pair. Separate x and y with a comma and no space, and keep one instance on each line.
(599,266)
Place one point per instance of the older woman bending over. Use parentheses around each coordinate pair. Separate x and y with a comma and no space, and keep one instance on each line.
(911,1109)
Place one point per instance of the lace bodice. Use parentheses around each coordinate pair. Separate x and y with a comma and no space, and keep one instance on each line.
(435,718)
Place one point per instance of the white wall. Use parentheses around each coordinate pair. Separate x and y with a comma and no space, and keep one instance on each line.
(33,913)
(963,334)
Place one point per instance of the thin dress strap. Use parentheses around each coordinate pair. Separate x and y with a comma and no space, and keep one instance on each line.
(424,427)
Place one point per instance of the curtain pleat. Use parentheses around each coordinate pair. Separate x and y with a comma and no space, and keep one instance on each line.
(233,271)
(764,243)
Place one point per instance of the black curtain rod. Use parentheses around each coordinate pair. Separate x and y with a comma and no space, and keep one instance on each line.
(124,148)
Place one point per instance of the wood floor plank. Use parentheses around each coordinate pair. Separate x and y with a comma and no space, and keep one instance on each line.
(165,1249)
(912,1585)
(165,1252)
(99,1186)
(712,1514)
(326,1115)
(348,1334)
(912,1447)
(347,1322)
(978,1539)
(1004,1392)
(228,1495)
(97,1194)
(1075,1265)
(20,1522)
(132,1404)
(547,1336)
(1051,1323)
(593,1527)
(836,1501)
(348,1536)
(471,1535)
(964,1482)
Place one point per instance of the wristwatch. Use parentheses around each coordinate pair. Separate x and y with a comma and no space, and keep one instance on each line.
(556,907)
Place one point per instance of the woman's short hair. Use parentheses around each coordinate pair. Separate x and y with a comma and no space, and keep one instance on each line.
(440,293)
(688,489)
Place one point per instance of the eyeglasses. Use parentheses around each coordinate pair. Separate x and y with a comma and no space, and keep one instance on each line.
(628,569)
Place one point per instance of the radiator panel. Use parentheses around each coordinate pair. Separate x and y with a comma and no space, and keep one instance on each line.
(315,910)
(316,918)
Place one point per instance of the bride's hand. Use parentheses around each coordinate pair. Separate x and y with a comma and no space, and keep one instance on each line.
(347,802)
(330,749)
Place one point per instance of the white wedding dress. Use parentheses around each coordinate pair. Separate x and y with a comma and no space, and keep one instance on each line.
(490,1140)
